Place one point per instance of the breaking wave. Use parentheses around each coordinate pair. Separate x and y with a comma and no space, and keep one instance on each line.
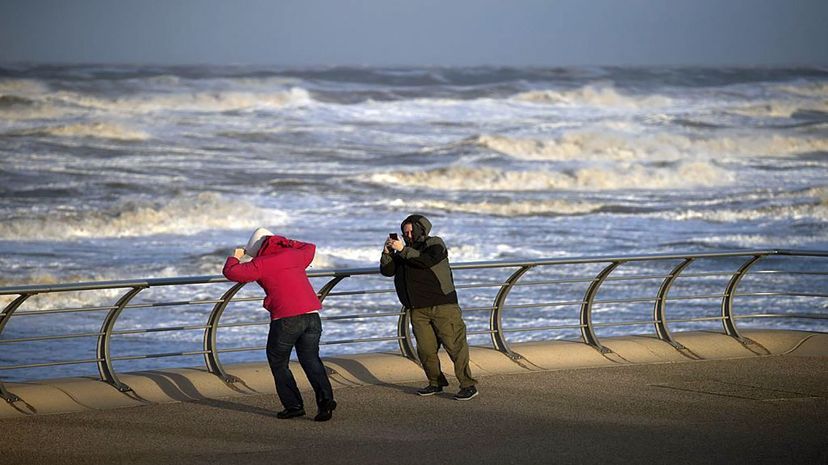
(96,130)
(517,208)
(816,209)
(629,176)
(580,145)
(195,102)
(183,215)
(811,89)
(593,95)
(780,109)
(26,87)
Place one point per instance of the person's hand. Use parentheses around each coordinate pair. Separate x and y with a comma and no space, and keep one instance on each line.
(397,245)
(238,253)
(387,246)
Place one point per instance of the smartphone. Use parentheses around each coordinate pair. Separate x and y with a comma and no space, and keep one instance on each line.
(394,236)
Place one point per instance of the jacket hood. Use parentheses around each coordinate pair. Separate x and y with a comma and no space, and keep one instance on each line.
(421,227)
(271,245)
(255,243)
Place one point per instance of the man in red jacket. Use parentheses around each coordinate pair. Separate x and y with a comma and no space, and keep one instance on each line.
(279,268)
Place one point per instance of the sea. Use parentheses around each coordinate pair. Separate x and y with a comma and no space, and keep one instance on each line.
(126,172)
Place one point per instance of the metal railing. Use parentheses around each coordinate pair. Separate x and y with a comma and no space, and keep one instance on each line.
(517,269)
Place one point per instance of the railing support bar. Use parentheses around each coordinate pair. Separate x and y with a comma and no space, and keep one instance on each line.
(211,355)
(328,287)
(499,341)
(728,321)
(105,368)
(587,331)
(659,314)
(404,336)
(4,318)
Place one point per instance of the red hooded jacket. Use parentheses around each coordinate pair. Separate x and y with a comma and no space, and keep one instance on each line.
(279,268)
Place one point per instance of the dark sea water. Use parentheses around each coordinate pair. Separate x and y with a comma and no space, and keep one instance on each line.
(111,172)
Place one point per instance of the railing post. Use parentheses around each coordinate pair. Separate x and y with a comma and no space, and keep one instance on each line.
(107,372)
(659,315)
(328,287)
(727,301)
(404,336)
(211,357)
(499,341)
(4,318)
(587,332)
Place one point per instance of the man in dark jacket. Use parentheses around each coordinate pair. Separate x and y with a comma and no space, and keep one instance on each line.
(425,287)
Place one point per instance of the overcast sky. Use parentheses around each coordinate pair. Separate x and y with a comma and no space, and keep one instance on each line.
(416,32)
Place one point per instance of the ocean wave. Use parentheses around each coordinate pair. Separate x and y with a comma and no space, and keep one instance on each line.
(14,101)
(737,241)
(780,109)
(96,130)
(594,95)
(197,101)
(817,209)
(343,257)
(26,87)
(19,100)
(186,215)
(662,146)
(72,299)
(624,176)
(810,89)
(508,209)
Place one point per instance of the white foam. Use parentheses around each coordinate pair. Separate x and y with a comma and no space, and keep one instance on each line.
(621,176)
(466,253)
(333,257)
(811,89)
(73,299)
(37,111)
(657,147)
(816,210)
(96,130)
(186,215)
(19,87)
(780,109)
(757,240)
(197,101)
(515,208)
(594,95)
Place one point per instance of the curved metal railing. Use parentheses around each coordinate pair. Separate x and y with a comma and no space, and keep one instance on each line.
(497,331)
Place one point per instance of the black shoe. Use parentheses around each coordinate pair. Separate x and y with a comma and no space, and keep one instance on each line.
(326,412)
(466,393)
(291,413)
(429,390)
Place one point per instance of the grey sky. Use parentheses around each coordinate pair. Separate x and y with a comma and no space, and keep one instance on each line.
(416,32)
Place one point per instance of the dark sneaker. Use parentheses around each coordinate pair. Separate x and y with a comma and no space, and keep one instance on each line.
(467,393)
(430,390)
(291,413)
(326,411)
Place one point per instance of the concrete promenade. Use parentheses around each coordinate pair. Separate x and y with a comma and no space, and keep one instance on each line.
(718,401)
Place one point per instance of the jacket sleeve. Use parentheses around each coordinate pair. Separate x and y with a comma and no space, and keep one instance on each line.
(428,257)
(387,265)
(241,272)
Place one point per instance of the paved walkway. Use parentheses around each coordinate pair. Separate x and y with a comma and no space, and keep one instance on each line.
(769,409)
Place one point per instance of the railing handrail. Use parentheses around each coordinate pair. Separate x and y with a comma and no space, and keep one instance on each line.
(496,329)
(207,279)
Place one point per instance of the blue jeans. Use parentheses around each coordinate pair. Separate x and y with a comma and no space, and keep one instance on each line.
(302,332)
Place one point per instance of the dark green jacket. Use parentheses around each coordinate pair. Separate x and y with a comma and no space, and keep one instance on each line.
(421,272)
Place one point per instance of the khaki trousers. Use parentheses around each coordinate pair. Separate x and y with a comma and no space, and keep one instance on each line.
(442,324)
